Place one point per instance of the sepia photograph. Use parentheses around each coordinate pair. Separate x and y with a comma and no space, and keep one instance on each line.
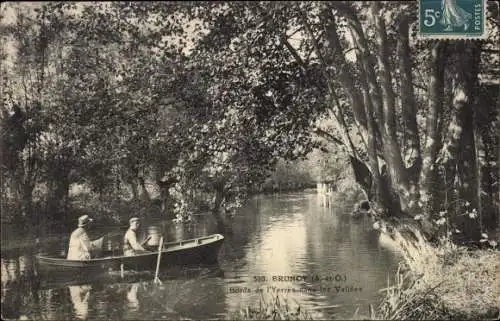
(250,160)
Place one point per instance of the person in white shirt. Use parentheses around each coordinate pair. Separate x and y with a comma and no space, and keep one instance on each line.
(131,245)
(80,246)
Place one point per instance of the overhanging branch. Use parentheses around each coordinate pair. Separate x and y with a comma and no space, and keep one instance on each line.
(322,133)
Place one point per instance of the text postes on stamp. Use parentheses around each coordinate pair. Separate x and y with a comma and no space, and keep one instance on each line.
(452,19)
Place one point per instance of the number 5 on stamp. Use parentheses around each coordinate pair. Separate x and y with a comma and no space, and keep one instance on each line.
(452,19)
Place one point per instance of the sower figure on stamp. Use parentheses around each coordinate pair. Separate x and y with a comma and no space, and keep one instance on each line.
(453,16)
(131,245)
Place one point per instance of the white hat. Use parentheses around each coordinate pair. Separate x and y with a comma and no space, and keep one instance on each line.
(84,220)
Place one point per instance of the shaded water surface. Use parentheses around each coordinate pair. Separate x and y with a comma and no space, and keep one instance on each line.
(287,244)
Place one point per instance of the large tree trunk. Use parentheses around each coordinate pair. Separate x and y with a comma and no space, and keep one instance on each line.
(373,111)
(57,201)
(429,174)
(478,159)
(220,195)
(363,176)
(27,200)
(135,189)
(460,146)
(381,101)
(334,101)
(335,56)
(488,126)
(409,110)
(378,103)
(165,183)
(144,192)
(392,151)
(376,180)
(23,194)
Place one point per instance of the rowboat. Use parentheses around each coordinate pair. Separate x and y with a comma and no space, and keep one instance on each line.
(202,250)
(61,280)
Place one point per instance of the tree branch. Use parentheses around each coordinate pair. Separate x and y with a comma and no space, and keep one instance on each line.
(294,32)
(385,71)
(346,77)
(346,10)
(495,51)
(340,118)
(294,52)
(407,96)
(322,133)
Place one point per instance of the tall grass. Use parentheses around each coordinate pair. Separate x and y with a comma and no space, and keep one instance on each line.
(440,282)
(273,308)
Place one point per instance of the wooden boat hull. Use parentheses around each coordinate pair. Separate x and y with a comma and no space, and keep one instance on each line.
(61,280)
(202,250)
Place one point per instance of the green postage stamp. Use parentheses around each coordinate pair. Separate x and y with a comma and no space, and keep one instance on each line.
(452,19)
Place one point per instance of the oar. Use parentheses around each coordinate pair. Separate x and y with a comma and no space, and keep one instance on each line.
(157,279)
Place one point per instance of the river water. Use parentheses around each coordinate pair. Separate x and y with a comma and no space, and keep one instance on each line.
(286,245)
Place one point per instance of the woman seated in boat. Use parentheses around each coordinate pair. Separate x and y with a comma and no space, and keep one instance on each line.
(130,244)
(80,246)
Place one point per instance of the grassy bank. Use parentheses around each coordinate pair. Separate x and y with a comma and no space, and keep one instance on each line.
(273,308)
(443,282)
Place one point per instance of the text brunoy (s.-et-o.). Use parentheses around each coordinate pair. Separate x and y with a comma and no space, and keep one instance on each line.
(301,284)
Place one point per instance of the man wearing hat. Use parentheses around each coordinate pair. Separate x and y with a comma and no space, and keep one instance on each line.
(130,244)
(79,242)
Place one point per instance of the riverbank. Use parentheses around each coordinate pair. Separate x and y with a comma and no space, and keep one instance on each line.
(110,211)
(444,282)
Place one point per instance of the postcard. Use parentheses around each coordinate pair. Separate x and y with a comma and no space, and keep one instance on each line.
(261,160)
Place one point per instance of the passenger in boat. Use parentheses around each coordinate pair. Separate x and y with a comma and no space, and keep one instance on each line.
(80,245)
(131,245)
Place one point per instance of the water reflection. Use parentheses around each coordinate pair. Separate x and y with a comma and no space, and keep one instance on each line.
(133,302)
(80,299)
(299,237)
(272,235)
